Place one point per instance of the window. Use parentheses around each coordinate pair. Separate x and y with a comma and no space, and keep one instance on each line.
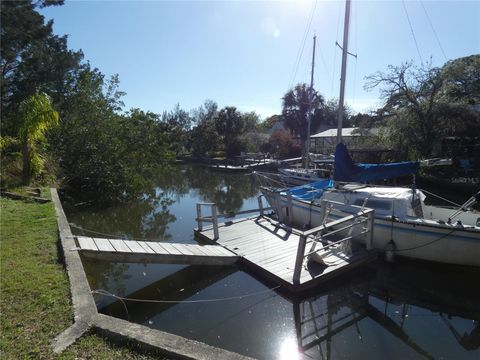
(375,204)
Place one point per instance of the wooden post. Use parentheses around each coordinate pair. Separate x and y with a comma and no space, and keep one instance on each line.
(215,222)
(299,261)
(260,204)
(371,220)
(199,217)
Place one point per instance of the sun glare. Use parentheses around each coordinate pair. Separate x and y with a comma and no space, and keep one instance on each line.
(289,350)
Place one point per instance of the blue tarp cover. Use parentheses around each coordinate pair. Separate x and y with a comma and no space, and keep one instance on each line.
(310,191)
(347,170)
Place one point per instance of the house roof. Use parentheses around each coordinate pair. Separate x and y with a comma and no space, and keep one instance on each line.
(346,132)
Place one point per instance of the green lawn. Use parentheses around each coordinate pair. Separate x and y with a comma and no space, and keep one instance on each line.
(35,299)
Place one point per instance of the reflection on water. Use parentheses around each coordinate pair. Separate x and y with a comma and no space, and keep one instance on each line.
(408,309)
(165,211)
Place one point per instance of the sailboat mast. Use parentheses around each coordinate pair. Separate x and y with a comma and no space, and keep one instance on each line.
(309,114)
(344,71)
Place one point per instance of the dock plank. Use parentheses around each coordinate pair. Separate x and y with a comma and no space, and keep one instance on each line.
(134,246)
(120,246)
(146,247)
(170,248)
(157,248)
(86,243)
(103,245)
(182,248)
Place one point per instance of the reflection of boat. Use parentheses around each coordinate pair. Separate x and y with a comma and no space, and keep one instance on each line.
(400,300)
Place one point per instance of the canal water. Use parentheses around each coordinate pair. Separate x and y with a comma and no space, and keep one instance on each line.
(404,310)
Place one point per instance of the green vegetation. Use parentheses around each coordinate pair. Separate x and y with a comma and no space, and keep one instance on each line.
(425,105)
(35,300)
(101,150)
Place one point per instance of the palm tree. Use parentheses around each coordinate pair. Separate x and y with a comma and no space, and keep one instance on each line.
(37,116)
(297,104)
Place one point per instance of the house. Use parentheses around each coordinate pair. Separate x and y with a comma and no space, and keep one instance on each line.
(325,141)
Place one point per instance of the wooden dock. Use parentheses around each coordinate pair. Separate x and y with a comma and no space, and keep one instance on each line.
(154,252)
(271,250)
(265,247)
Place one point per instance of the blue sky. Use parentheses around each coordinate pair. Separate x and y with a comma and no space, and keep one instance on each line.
(244,53)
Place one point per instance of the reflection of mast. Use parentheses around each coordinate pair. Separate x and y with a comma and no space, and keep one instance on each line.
(391,326)
(357,299)
(467,341)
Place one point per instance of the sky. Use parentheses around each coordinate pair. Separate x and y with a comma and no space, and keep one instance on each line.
(248,54)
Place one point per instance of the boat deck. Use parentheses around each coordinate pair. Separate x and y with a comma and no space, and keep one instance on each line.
(269,249)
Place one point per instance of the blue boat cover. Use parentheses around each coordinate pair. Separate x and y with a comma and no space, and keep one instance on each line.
(346,170)
(310,191)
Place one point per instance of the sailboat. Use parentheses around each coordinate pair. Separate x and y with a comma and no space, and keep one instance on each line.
(404,224)
(299,176)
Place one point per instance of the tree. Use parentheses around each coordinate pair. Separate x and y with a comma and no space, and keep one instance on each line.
(36,116)
(282,144)
(203,136)
(268,123)
(230,124)
(176,125)
(31,59)
(410,95)
(297,104)
(422,104)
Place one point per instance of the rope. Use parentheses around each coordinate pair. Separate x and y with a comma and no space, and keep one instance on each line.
(439,197)
(111,236)
(268,177)
(239,297)
(429,243)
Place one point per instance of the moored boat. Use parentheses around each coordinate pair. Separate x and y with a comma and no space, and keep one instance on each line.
(404,224)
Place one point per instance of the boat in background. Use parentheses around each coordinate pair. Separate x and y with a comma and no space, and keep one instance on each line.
(323,170)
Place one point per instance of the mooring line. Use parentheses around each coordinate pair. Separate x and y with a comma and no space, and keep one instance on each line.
(239,297)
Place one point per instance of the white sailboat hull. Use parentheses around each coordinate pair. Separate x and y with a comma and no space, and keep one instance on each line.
(424,239)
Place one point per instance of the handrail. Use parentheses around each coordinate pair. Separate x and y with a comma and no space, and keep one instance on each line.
(213,218)
(318,231)
(342,228)
(337,222)
(336,243)
(243,212)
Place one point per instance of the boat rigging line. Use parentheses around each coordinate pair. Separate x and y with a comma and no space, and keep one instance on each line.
(413,33)
(433,30)
(302,47)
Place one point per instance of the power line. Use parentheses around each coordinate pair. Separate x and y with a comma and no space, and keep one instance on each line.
(433,30)
(411,29)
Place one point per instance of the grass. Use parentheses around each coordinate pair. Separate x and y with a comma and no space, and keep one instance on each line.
(35,301)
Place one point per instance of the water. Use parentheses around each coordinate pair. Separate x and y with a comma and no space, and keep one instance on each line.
(403,310)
